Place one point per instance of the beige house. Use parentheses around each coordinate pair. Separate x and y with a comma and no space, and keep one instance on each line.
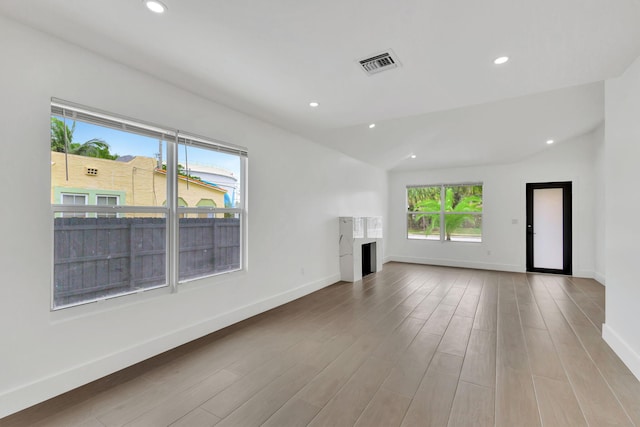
(137,182)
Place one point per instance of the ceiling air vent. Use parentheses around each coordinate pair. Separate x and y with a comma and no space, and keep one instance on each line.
(380,62)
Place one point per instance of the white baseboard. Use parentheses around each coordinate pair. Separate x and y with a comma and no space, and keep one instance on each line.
(457,263)
(627,354)
(600,278)
(585,274)
(27,395)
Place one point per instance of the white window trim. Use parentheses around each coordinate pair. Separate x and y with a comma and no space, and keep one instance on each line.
(442,212)
(84,196)
(173,139)
(116,196)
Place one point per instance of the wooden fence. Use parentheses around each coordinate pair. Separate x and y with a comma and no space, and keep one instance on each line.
(99,257)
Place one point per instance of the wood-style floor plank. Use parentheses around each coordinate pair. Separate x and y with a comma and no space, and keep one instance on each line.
(295,413)
(407,372)
(320,389)
(197,417)
(347,405)
(257,409)
(385,409)
(473,406)
(432,402)
(456,337)
(558,404)
(173,408)
(439,320)
(598,403)
(480,360)
(411,345)
(515,400)
(468,304)
(542,354)
(223,403)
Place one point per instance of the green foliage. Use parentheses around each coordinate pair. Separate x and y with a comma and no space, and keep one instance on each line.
(183,172)
(62,139)
(60,132)
(93,148)
(420,194)
(457,200)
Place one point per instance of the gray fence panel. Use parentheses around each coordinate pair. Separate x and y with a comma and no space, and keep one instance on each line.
(98,257)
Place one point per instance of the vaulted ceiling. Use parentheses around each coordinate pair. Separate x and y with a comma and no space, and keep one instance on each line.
(447,102)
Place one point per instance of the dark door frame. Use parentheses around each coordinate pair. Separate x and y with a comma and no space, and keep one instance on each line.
(566,226)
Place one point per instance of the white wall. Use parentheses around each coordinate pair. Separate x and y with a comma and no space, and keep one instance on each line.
(504,243)
(297,190)
(622,154)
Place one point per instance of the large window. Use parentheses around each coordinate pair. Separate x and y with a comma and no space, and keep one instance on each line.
(127,206)
(445,212)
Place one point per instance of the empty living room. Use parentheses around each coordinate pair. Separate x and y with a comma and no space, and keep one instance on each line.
(409,213)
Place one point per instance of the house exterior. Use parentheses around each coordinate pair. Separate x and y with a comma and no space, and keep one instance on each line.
(136,182)
(221,177)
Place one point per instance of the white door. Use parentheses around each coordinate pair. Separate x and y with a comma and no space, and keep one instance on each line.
(548,233)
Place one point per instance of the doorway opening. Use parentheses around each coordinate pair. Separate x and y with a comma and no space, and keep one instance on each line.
(549,227)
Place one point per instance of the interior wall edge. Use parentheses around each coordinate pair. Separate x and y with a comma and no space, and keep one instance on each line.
(458,263)
(624,351)
(600,278)
(584,274)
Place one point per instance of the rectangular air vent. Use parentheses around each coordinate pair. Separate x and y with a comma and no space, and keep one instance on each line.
(92,171)
(380,62)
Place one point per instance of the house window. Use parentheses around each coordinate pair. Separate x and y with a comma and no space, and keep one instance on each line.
(208,203)
(139,225)
(102,200)
(449,212)
(73,199)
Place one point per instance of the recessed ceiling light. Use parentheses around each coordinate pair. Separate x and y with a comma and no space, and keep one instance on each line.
(550,141)
(372,125)
(155,6)
(413,156)
(313,104)
(501,60)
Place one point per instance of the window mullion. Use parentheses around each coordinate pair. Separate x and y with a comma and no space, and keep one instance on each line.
(173,220)
(442,207)
(244,220)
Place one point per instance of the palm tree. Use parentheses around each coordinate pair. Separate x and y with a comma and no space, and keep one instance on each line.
(61,135)
(452,222)
(62,140)
(418,194)
(92,148)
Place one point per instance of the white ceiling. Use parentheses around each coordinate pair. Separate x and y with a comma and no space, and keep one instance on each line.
(447,103)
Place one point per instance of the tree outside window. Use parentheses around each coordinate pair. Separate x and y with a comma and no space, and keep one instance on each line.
(445,212)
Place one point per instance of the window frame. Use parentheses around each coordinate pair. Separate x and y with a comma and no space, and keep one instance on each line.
(442,212)
(173,138)
(86,202)
(110,214)
(74,195)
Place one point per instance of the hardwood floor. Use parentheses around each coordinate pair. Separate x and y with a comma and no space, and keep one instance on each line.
(410,346)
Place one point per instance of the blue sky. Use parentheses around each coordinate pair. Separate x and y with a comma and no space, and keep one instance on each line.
(124,143)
